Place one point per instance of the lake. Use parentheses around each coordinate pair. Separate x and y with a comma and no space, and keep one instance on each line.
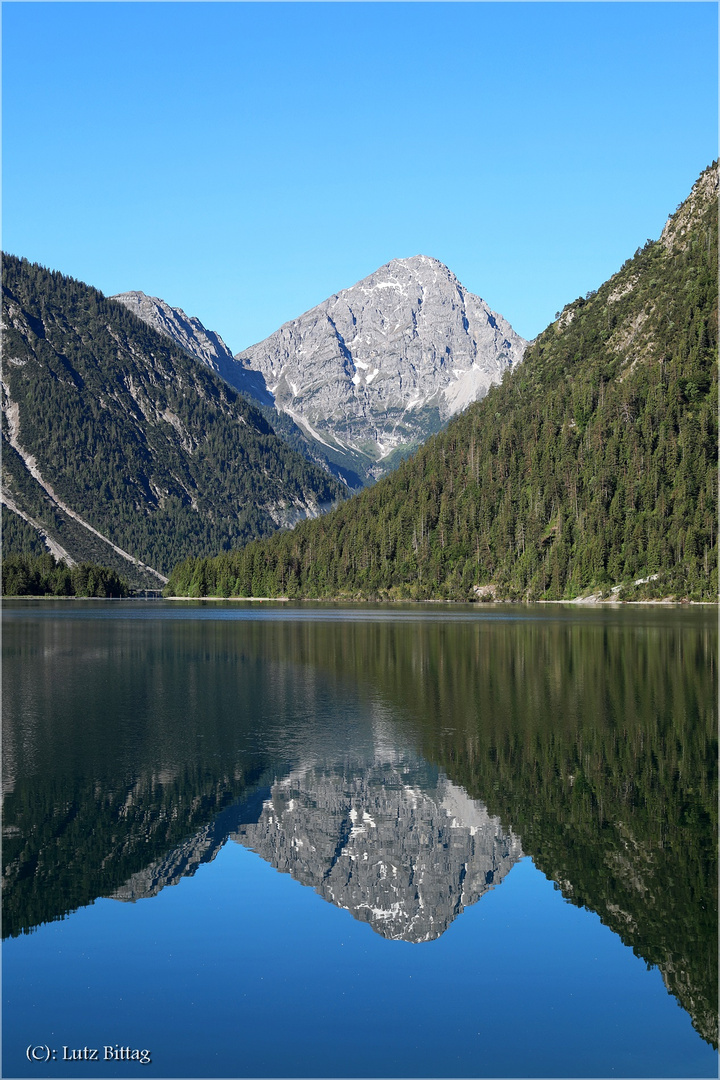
(296,840)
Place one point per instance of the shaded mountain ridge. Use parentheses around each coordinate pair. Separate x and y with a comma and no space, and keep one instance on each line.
(210,349)
(188,332)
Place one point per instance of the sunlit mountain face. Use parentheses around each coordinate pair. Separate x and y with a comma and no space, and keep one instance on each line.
(375,369)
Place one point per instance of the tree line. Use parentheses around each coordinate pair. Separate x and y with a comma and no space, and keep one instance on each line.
(44,575)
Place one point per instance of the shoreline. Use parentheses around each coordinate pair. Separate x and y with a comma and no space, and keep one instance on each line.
(580,602)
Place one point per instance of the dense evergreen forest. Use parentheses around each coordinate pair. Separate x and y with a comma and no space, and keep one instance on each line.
(44,575)
(151,448)
(18,537)
(593,465)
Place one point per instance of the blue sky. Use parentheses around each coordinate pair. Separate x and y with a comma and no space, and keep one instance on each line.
(246,160)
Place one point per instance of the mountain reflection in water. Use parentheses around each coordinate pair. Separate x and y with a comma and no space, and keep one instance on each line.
(393,842)
(394,762)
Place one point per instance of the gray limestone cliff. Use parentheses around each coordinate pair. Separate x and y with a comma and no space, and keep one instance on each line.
(377,368)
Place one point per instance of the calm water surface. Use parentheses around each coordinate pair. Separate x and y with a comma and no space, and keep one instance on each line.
(303,841)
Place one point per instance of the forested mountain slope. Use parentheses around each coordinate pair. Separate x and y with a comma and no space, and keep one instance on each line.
(119,448)
(593,465)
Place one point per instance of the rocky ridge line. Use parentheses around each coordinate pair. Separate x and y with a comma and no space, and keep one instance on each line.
(189,333)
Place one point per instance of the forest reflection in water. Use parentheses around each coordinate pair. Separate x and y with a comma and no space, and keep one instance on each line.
(399,760)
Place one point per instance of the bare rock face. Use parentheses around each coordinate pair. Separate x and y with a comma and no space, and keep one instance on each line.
(371,373)
(379,367)
(400,849)
(190,334)
(676,233)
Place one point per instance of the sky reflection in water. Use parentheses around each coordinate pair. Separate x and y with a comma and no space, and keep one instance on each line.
(324,738)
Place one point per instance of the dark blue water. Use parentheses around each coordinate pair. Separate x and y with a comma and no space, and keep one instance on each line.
(283,841)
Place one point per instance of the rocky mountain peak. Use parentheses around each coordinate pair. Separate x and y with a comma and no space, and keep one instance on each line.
(371,372)
(398,848)
(378,367)
(423,269)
